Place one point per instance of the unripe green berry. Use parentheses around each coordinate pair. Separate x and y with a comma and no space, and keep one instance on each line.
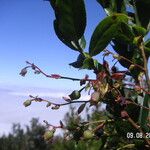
(88,134)
(75,95)
(48,135)
(27,103)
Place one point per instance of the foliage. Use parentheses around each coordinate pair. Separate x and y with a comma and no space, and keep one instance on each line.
(29,139)
(125,92)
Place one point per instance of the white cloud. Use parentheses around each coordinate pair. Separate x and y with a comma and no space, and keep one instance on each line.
(54,94)
(12,108)
(40,94)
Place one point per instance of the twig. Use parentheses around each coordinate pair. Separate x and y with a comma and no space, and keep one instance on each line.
(99,121)
(122,57)
(137,86)
(56,76)
(57,104)
(129,102)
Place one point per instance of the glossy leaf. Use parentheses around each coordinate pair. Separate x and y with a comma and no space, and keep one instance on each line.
(97,65)
(143,7)
(82,42)
(104,32)
(125,33)
(88,64)
(97,37)
(62,37)
(139,31)
(70,21)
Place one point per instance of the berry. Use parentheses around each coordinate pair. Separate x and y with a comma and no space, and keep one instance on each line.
(27,103)
(75,95)
(88,134)
(48,135)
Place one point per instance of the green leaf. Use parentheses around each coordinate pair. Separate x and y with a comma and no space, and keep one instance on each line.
(88,64)
(79,62)
(143,7)
(144,112)
(125,32)
(70,21)
(97,36)
(97,65)
(62,38)
(81,108)
(104,33)
(114,6)
(82,42)
(139,31)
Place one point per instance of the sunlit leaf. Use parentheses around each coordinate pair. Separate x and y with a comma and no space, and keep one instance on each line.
(139,31)
(104,32)
(88,64)
(70,21)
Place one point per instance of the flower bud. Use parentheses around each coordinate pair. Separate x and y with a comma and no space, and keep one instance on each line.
(27,103)
(48,104)
(55,107)
(23,72)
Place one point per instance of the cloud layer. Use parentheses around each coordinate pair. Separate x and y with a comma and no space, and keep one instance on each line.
(13,111)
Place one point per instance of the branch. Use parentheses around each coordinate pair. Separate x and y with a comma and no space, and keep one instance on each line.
(98,122)
(37,99)
(137,86)
(124,58)
(55,76)
(129,102)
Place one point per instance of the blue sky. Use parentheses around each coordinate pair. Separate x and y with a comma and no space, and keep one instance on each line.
(26,33)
